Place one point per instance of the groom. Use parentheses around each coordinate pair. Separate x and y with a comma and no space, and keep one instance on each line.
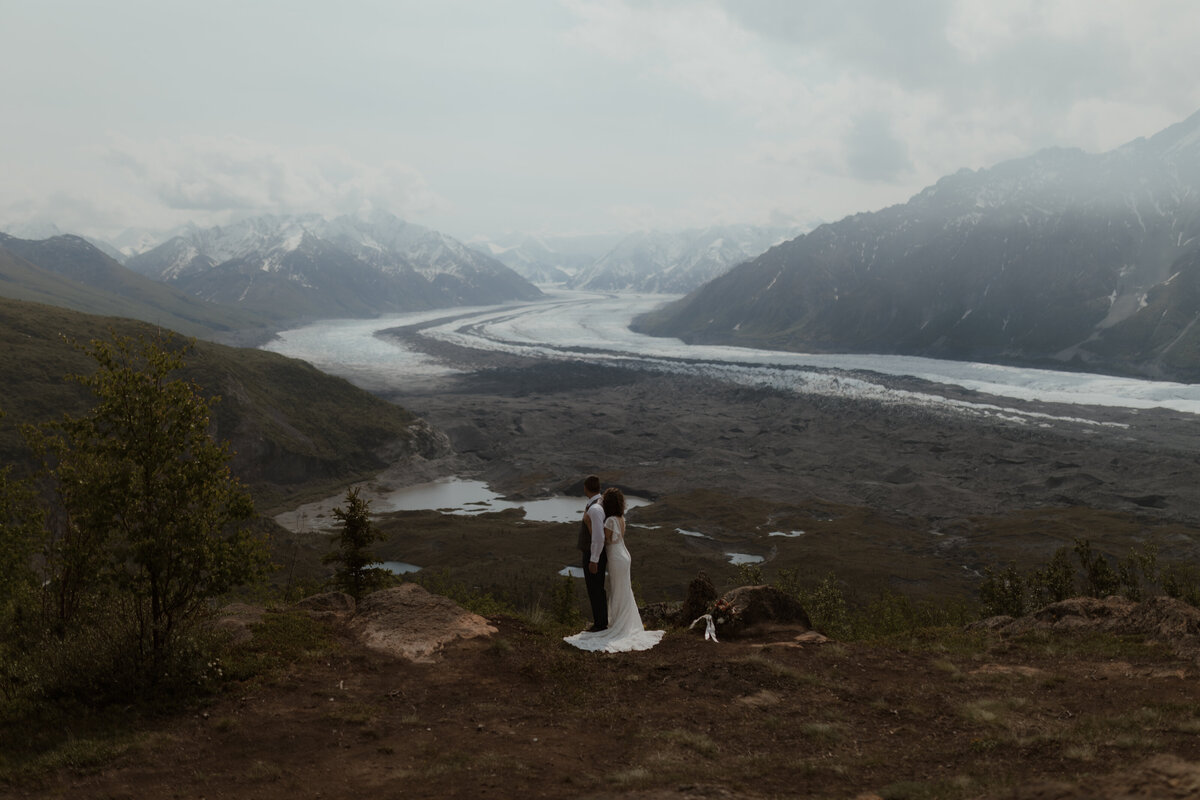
(595,560)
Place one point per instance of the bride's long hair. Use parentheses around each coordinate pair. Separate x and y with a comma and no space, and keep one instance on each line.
(613,502)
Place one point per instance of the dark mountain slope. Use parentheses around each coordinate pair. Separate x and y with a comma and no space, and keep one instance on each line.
(1062,258)
(69,272)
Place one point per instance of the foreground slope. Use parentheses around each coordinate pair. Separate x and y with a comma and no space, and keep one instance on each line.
(1063,258)
(290,425)
(926,714)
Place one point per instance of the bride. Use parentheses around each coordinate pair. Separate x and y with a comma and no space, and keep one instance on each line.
(624,631)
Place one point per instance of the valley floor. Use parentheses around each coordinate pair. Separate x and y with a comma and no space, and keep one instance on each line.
(912,497)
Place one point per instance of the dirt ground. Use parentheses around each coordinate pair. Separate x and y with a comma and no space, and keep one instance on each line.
(521,714)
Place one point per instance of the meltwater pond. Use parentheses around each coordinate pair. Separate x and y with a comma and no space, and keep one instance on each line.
(460,496)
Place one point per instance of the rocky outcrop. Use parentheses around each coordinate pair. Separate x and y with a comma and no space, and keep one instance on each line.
(409,622)
(1164,618)
(761,609)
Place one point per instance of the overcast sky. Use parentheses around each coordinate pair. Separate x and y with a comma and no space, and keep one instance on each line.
(477,117)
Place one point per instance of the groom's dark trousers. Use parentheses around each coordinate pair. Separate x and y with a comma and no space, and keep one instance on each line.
(595,589)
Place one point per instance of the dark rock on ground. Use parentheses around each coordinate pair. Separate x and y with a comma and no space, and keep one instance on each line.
(1165,618)
(700,596)
(761,609)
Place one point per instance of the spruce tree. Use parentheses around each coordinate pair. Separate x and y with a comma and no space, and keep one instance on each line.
(355,574)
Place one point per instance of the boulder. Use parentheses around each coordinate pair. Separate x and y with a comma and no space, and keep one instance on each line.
(408,622)
(760,609)
(700,597)
(1165,618)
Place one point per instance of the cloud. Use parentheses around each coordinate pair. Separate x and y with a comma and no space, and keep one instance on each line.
(233,174)
(873,152)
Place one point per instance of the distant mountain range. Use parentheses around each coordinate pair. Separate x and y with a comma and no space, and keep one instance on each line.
(673,263)
(1059,259)
(547,259)
(298,267)
(670,262)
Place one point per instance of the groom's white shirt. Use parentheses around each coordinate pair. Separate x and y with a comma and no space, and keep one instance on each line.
(596,514)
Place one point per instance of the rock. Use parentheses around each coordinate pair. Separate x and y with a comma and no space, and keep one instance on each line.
(1165,618)
(408,622)
(701,594)
(329,605)
(761,609)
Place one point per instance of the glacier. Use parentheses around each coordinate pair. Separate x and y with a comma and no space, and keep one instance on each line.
(585,326)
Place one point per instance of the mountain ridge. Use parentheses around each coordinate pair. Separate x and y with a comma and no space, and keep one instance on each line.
(69,272)
(306,266)
(1058,259)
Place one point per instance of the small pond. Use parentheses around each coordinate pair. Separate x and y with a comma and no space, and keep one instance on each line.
(399,567)
(459,496)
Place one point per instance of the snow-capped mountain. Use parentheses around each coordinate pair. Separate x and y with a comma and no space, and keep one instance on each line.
(533,259)
(307,266)
(548,259)
(1062,257)
(678,262)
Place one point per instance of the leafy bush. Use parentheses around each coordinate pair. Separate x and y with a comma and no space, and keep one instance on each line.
(1182,582)
(1054,582)
(1099,579)
(826,607)
(1002,592)
(147,526)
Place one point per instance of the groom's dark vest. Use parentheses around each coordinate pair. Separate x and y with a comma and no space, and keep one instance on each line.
(585,536)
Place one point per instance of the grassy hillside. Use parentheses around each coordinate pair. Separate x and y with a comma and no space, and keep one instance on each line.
(292,427)
(99,285)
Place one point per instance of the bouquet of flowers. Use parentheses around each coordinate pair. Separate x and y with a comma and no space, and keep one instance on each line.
(723,612)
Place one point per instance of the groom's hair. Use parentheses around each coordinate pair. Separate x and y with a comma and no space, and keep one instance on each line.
(591,483)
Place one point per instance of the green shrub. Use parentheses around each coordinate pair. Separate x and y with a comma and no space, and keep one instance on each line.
(1182,582)
(826,607)
(1099,579)
(1054,582)
(1002,592)
(564,607)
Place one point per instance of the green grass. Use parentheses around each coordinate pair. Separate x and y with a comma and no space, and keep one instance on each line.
(281,638)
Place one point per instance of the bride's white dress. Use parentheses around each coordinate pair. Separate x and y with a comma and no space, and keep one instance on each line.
(625,631)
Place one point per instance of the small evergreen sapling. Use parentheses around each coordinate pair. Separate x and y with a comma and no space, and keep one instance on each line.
(355,574)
